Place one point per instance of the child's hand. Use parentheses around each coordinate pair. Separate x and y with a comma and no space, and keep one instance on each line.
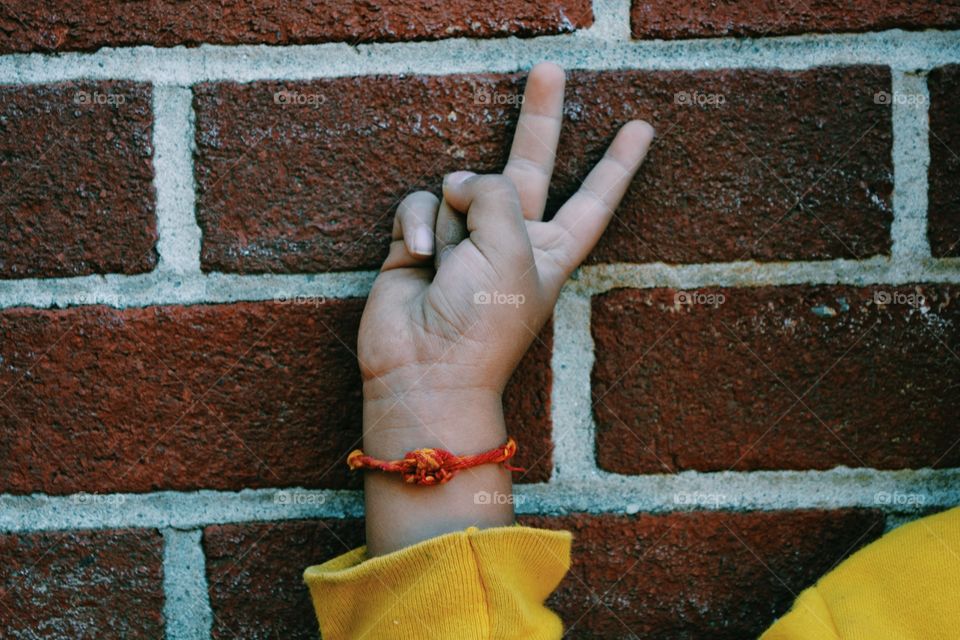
(438,342)
(467,285)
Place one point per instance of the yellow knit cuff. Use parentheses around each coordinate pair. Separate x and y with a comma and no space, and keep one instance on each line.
(810,619)
(904,585)
(488,583)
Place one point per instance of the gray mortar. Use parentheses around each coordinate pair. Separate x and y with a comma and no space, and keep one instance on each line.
(186,608)
(606,48)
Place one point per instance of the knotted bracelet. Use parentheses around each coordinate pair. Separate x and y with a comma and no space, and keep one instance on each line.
(433,466)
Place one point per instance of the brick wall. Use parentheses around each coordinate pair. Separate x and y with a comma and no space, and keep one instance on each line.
(755,374)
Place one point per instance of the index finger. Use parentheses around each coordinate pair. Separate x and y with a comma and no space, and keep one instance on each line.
(586,214)
(535,141)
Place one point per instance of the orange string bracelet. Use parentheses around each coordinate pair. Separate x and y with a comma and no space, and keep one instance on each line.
(433,466)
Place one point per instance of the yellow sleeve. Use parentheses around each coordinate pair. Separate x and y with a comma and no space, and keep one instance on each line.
(489,583)
(904,585)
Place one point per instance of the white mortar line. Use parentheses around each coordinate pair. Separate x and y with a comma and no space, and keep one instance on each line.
(186,606)
(911,158)
(172,509)
(571,404)
(185,66)
(611,21)
(179,235)
(160,288)
(872,271)
(172,288)
(902,491)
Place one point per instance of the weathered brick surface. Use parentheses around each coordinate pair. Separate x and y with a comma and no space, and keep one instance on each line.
(526,404)
(776,378)
(75,179)
(255,574)
(944,171)
(792,165)
(217,396)
(671,19)
(89,584)
(697,575)
(47,25)
(291,187)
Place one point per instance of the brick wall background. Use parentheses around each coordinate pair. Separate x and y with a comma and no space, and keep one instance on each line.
(755,374)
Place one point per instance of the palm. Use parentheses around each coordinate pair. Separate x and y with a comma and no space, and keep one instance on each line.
(428,313)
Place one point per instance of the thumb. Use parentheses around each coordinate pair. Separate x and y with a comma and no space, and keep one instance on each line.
(494,215)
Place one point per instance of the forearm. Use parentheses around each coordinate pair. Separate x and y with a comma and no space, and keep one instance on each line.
(399,514)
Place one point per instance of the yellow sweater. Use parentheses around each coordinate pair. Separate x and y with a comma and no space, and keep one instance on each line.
(493,584)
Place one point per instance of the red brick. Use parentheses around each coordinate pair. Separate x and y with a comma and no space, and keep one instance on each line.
(944,170)
(719,184)
(792,166)
(697,575)
(209,396)
(90,584)
(85,24)
(526,404)
(255,574)
(76,170)
(711,388)
(669,19)
(285,207)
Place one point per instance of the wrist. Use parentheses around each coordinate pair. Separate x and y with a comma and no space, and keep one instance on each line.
(461,420)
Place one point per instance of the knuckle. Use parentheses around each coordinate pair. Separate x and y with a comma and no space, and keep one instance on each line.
(498,185)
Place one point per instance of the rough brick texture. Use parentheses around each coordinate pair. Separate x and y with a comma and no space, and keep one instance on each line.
(48,25)
(944,171)
(309,211)
(671,19)
(89,584)
(76,170)
(255,574)
(792,165)
(776,378)
(697,575)
(209,396)
(526,403)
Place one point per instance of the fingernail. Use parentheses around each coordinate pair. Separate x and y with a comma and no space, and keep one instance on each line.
(423,241)
(455,178)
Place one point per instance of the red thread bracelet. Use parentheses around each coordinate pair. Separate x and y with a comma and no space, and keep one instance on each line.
(433,466)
